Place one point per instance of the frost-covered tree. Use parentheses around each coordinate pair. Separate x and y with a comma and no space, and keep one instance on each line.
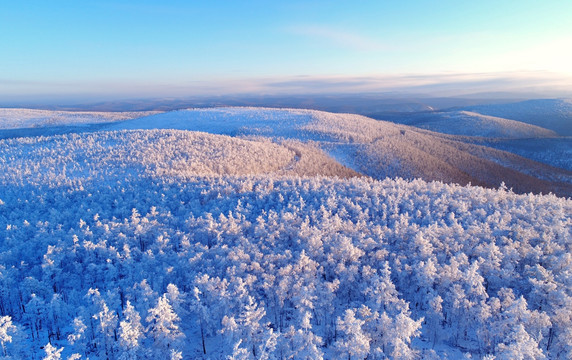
(383,293)
(308,345)
(353,342)
(131,333)
(252,329)
(104,322)
(52,352)
(239,353)
(164,328)
(7,329)
(519,345)
(269,263)
(35,315)
(78,337)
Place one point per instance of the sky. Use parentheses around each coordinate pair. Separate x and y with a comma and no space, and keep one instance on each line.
(125,48)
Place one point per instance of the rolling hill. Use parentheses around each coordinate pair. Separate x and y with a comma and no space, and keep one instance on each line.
(108,156)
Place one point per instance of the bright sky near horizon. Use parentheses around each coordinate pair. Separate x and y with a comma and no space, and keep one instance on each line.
(171,48)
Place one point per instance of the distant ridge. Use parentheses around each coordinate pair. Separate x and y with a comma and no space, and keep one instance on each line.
(474,124)
(12,118)
(553,114)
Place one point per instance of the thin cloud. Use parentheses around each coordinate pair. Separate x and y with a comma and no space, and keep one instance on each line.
(338,37)
(444,84)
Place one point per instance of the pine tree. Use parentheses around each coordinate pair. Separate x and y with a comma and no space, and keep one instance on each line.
(239,353)
(78,337)
(250,324)
(306,344)
(520,346)
(105,332)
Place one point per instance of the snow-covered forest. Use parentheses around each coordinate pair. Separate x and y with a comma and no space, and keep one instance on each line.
(284,268)
(172,244)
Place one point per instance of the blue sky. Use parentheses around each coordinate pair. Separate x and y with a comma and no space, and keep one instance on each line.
(175,48)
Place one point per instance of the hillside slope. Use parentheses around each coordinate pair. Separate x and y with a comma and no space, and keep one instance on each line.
(556,152)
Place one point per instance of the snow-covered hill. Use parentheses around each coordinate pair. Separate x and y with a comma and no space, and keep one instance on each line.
(375,148)
(329,144)
(547,113)
(474,124)
(552,151)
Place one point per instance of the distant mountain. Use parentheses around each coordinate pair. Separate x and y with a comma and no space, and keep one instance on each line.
(376,105)
(474,124)
(551,114)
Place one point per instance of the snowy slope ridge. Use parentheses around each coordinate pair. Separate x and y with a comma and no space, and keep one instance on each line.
(375,148)
(285,268)
(474,124)
(551,114)
(29,118)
